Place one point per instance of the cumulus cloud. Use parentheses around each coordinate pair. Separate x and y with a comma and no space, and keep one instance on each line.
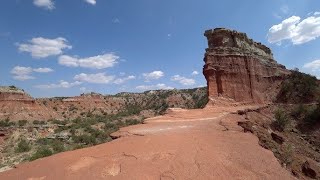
(99,78)
(296,30)
(123,80)
(46,4)
(183,80)
(314,65)
(153,75)
(61,84)
(153,87)
(95,62)
(41,47)
(195,73)
(25,73)
(93,2)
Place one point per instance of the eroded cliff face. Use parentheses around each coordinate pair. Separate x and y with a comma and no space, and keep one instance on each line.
(236,67)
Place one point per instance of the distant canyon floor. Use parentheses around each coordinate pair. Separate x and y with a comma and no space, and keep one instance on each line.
(183,144)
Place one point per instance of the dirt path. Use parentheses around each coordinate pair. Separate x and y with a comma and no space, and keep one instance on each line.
(193,144)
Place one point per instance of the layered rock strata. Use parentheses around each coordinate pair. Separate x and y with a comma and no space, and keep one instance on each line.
(239,68)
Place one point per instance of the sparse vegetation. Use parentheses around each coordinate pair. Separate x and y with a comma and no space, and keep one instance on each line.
(6,123)
(299,88)
(23,146)
(93,126)
(281,120)
(40,153)
(22,122)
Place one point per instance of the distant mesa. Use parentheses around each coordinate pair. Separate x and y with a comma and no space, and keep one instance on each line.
(238,68)
(12,93)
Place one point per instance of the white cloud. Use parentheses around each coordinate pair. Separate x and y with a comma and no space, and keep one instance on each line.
(24,73)
(123,80)
(95,62)
(316,13)
(46,4)
(43,70)
(99,78)
(93,2)
(153,87)
(195,73)
(116,21)
(294,29)
(314,65)
(61,84)
(183,80)
(153,75)
(41,47)
(68,61)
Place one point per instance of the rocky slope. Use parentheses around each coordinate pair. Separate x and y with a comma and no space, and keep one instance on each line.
(17,105)
(236,67)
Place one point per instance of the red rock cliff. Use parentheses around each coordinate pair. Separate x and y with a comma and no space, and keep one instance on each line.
(237,67)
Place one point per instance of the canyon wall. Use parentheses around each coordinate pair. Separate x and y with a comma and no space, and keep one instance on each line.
(238,68)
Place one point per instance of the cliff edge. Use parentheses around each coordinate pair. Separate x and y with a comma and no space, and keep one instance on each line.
(238,68)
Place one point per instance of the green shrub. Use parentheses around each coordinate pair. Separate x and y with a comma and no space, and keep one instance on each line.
(22,122)
(299,111)
(281,121)
(6,123)
(41,152)
(23,146)
(202,102)
(37,122)
(85,139)
(313,116)
(57,146)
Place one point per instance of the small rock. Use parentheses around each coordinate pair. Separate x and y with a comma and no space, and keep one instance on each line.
(246,125)
(295,173)
(308,170)
(241,112)
(277,138)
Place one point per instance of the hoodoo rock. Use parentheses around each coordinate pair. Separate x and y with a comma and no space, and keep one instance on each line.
(239,68)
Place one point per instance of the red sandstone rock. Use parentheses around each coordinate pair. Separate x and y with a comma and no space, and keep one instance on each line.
(236,67)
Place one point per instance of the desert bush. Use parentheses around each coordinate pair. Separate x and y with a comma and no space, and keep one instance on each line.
(41,152)
(287,154)
(57,146)
(6,123)
(130,122)
(202,102)
(84,139)
(37,122)
(281,121)
(313,116)
(22,122)
(299,111)
(23,146)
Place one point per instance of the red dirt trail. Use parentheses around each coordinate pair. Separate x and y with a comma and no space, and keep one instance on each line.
(184,144)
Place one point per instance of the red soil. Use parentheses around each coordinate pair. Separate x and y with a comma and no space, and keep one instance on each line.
(192,144)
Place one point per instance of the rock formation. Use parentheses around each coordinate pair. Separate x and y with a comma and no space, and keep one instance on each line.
(236,67)
(11,93)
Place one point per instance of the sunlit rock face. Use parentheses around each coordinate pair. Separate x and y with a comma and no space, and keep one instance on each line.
(239,68)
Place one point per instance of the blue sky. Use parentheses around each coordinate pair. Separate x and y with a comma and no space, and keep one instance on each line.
(64,48)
